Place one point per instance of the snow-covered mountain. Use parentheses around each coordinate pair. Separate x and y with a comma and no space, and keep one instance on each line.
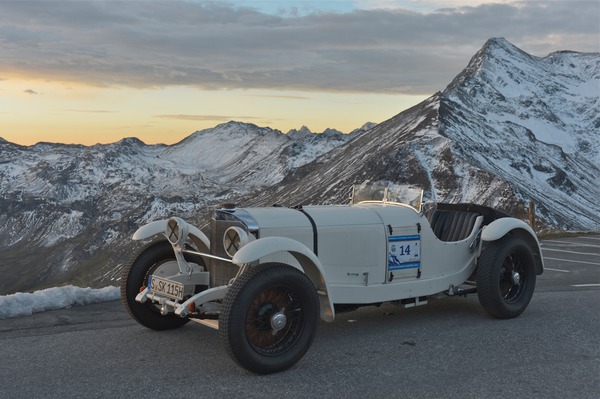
(538,127)
(509,129)
(67,212)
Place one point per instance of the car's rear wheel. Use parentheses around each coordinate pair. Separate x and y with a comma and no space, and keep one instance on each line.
(506,277)
(269,318)
(153,258)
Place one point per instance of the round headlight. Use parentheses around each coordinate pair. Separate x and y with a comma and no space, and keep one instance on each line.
(234,239)
(177,230)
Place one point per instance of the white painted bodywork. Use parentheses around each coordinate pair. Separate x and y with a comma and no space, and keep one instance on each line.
(304,258)
(498,228)
(158,227)
(352,249)
(344,250)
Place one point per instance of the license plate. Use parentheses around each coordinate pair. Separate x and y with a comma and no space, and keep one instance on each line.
(168,288)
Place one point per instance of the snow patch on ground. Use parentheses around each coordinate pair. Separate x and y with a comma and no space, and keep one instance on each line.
(26,304)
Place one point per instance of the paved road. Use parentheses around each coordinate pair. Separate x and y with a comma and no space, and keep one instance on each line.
(447,349)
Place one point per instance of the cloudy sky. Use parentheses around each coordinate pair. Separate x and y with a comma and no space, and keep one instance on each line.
(84,71)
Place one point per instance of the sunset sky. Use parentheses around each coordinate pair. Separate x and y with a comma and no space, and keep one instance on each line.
(88,72)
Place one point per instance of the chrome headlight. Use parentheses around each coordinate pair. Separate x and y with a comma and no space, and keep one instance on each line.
(177,231)
(234,239)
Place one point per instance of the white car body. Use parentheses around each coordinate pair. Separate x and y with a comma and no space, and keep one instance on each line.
(364,253)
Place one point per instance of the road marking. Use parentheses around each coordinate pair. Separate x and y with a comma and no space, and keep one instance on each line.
(556,270)
(585,285)
(572,243)
(570,252)
(590,238)
(572,261)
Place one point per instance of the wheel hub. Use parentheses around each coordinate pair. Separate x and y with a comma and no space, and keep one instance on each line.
(278,321)
(516,278)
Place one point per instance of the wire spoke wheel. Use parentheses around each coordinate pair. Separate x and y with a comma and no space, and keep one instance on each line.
(269,318)
(274,321)
(513,278)
(506,277)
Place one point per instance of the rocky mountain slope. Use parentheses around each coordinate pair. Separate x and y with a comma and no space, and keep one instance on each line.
(509,129)
(67,212)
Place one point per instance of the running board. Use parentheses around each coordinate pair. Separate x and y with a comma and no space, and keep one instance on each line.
(207,322)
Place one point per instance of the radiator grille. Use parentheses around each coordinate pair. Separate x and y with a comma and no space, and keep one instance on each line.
(221,272)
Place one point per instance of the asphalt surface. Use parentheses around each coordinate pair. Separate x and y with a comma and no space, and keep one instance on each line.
(447,349)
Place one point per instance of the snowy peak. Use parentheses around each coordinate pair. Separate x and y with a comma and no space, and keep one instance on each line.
(496,53)
(299,134)
(331,132)
(498,48)
(305,133)
(232,130)
(534,122)
(511,128)
(364,128)
(131,142)
(547,96)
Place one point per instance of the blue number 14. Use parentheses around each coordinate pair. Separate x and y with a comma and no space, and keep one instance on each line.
(404,251)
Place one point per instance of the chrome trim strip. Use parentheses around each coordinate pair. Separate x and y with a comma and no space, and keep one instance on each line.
(243,216)
(187,251)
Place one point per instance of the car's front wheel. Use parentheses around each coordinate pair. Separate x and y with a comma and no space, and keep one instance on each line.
(269,318)
(506,277)
(153,258)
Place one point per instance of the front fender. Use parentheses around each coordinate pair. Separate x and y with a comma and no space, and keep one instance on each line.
(159,226)
(311,265)
(500,227)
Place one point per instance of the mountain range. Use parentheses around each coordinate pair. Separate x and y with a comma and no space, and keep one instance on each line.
(509,129)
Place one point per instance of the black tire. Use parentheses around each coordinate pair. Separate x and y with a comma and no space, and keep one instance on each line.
(506,277)
(146,261)
(255,302)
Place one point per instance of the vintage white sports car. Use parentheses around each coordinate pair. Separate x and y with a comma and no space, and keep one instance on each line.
(266,275)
